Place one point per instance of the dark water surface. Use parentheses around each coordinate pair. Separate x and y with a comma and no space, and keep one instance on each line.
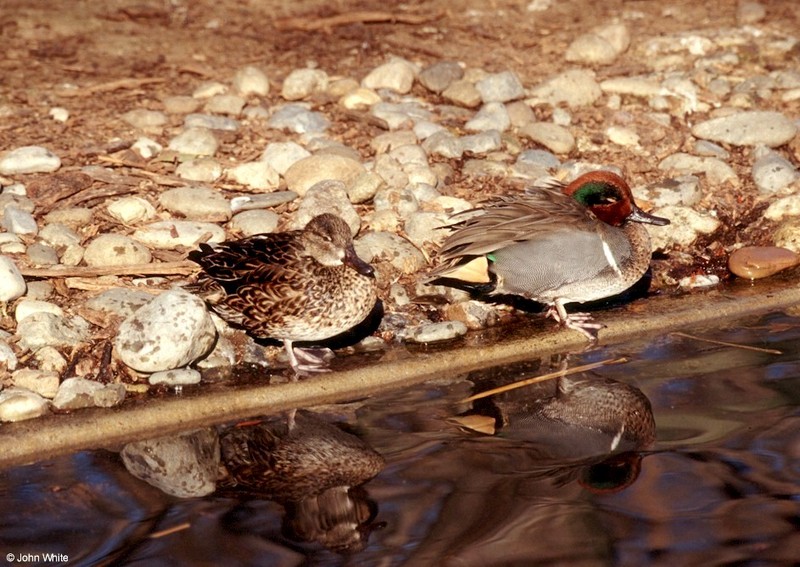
(720,486)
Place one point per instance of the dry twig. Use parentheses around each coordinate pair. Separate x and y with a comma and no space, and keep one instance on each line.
(306,23)
(723,343)
(182,268)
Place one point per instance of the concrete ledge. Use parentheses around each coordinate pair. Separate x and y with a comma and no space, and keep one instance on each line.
(49,436)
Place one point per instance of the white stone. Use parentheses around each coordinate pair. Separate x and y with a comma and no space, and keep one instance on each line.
(591,49)
(716,170)
(328,196)
(48,329)
(18,404)
(280,156)
(131,210)
(251,80)
(255,174)
(306,173)
(146,147)
(228,104)
(195,141)
(360,99)
(8,360)
(29,159)
(773,173)
(622,136)
(491,116)
(18,221)
(144,119)
(434,332)
(59,114)
(387,247)
(555,138)
(302,83)
(171,331)
(12,284)
(27,307)
(175,377)
(169,235)
(685,226)
(42,382)
(115,250)
(77,393)
(576,87)
(396,75)
(750,128)
(500,87)
(209,89)
(204,170)
(252,222)
(197,203)
(779,209)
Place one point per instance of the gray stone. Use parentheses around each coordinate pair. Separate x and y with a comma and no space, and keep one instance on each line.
(750,128)
(57,234)
(122,302)
(483,142)
(197,203)
(400,115)
(491,116)
(204,170)
(444,144)
(211,122)
(297,118)
(228,104)
(41,254)
(29,159)
(716,171)
(19,221)
(184,466)
(500,87)
(364,187)
(171,331)
(423,228)
(115,250)
(463,93)
(440,75)
(144,119)
(77,393)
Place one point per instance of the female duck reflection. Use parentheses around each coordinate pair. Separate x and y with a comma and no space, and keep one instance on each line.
(314,469)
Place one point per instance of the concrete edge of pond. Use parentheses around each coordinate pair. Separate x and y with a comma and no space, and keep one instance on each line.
(50,436)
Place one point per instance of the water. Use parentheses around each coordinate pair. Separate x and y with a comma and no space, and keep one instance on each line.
(719,486)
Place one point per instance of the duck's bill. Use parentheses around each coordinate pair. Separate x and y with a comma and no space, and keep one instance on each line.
(359,265)
(638,215)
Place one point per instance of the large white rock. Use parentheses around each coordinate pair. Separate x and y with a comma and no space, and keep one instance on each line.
(12,284)
(173,330)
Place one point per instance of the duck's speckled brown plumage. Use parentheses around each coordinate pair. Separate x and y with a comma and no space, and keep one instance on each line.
(301,285)
(555,245)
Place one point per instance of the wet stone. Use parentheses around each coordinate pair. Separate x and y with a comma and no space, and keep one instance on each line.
(440,75)
(29,159)
(184,466)
(77,393)
(755,262)
(176,377)
(197,203)
(434,332)
(172,330)
(115,250)
(18,404)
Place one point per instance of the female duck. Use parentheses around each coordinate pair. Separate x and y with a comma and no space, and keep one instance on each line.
(301,285)
(582,243)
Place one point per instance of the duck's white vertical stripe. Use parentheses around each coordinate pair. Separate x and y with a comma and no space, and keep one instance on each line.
(610,257)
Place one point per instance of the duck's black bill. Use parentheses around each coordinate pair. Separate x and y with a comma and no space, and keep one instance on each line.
(359,265)
(638,215)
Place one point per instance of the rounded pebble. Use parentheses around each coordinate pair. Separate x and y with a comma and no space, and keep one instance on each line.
(251,81)
(500,87)
(576,87)
(197,203)
(302,83)
(115,250)
(434,332)
(555,138)
(306,173)
(175,377)
(169,235)
(18,404)
(396,75)
(195,142)
(755,262)
(131,210)
(253,222)
(751,128)
(29,159)
(255,174)
(77,393)
(772,172)
(12,284)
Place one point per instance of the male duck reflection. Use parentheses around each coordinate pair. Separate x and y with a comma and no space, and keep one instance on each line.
(556,245)
(300,285)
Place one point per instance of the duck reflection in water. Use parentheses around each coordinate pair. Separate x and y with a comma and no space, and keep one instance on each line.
(314,469)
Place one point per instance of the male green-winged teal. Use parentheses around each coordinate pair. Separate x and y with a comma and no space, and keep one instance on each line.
(555,245)
(300,285)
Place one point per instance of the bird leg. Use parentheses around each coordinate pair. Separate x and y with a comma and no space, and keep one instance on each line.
(307,361)
(581,322)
